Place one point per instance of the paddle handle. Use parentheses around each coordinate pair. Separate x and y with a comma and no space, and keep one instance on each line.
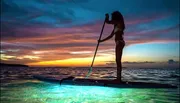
(96,49)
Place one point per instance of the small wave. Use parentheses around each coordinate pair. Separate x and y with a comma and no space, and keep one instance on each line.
(108,77)
(175,76)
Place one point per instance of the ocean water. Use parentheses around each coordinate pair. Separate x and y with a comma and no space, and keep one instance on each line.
(18,86)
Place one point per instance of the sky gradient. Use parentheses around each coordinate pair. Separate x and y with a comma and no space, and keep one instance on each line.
(65,32)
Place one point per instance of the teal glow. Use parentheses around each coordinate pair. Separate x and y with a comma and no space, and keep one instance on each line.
(40,92)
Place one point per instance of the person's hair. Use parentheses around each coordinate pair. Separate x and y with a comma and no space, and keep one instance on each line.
(117,16)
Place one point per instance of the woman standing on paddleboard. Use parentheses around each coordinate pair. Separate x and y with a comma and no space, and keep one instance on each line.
(119,26)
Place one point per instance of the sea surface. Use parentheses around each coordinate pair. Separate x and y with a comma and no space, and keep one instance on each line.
(18,86)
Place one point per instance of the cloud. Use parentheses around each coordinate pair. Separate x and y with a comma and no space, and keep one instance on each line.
(146,64)
(171,61)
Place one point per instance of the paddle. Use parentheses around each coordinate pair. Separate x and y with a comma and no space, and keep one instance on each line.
(90,70)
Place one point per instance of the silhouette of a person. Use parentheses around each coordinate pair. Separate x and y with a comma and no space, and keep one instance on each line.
(119,26)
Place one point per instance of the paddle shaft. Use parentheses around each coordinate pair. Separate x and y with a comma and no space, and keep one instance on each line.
(96,49)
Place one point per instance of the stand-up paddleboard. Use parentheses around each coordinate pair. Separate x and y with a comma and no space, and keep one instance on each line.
(97,82)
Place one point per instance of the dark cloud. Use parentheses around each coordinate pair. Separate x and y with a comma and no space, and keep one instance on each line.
(5,45)
(171,61)
(145,62)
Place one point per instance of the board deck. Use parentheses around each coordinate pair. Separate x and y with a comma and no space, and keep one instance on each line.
(98,82)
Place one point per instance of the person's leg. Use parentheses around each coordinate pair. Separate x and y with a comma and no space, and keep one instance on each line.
(119,49)
(118,62)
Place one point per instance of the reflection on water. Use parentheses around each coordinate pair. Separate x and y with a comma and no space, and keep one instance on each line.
(18,86)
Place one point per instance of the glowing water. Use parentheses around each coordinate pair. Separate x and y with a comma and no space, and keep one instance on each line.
(18,86)
(40,92)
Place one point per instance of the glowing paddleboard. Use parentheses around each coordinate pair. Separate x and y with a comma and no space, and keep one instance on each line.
(98,82)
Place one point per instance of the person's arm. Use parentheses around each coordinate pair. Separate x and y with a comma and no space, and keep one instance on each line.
(112,22)
(109,37)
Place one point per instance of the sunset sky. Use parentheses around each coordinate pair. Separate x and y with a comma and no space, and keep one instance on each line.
(65,32)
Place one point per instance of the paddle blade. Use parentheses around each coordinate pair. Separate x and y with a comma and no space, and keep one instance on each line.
(89,72)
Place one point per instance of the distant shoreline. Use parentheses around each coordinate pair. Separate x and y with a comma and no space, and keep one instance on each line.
(13,65)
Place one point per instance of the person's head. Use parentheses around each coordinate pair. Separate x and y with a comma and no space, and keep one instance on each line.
(116,15)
